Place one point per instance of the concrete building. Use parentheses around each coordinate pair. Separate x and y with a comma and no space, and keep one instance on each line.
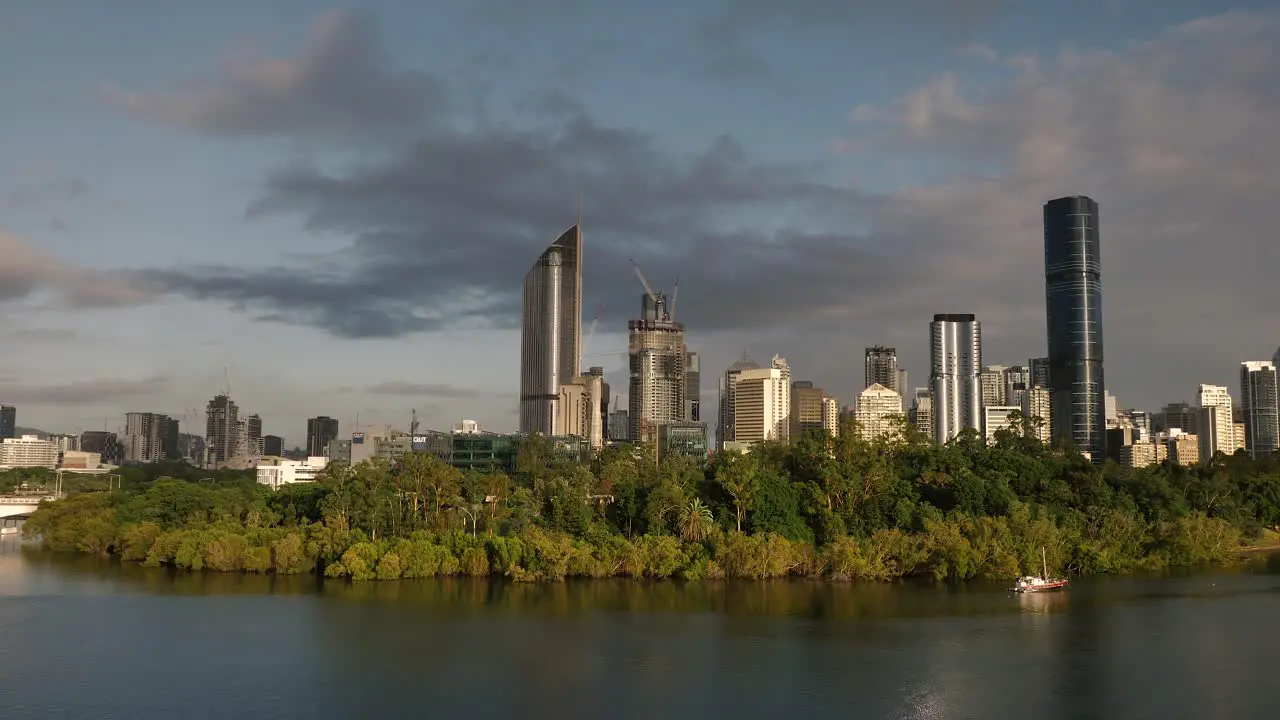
(831,416)
(1111,410)
(8,421)
(1141,421)
(619,426)
(728,394)
(321,430)
(28,451)
(1036,409)
(1176,416)
(992,381)
(1143,454)
(956,358)
(880,367)
(657,354)
(1073,313)
(222,423)
(79,460)
(878,412)
(550,330)
(578,410)
(1038,369)
(1181,448)
(762,404)
(274,471)
(1259,405)
(65,442)
(1017,378)
(1217,432)
(147,437)
(105,444)
(251,436)
(603,411)
(999,417)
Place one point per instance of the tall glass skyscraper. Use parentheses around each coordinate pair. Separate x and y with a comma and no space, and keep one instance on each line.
(1258,399)
(550,330)
(955,351)
(1073,309)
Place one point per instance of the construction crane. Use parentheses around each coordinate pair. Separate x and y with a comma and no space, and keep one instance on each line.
(652,295)
(591,332)
(671,306)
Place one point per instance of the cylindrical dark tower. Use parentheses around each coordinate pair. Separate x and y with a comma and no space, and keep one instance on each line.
(1073,309)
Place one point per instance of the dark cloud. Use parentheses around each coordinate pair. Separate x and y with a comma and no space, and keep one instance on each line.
(338,85)
(411,389)
(723,43)
(84,392)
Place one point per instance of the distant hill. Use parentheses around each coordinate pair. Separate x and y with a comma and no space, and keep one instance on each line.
(20,431)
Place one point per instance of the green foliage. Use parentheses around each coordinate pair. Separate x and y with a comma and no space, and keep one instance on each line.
(837,508)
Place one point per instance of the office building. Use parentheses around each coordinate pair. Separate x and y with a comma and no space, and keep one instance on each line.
(321,431)
(1176,416)
(991,381)
(28,451)
(878,412)
(578,410)
(603,420)
(148,437)
(762,404)
(550,330)
(728,395)
(999,417)
(1073,311)
(251,439)
(1038,368)
(105,444)
(831,416)
(920,416)
(619,425)
(693,387)
(222,429)
(274,471)
(272,445)
(808,409)
(1143,454)
(682,437)
(8,421)
(1258,403)
(1017,378)
(657,354)
(956,358)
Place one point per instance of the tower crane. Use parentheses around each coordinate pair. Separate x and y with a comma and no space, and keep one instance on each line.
(675,293)
(652,295)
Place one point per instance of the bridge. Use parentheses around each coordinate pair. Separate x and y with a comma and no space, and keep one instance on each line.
(21,505)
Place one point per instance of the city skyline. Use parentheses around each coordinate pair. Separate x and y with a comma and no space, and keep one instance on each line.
(256,211)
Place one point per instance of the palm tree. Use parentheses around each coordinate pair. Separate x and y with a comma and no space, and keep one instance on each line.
(695,520)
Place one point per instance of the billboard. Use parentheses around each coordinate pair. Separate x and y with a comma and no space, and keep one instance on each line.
(418,442)
(357,438)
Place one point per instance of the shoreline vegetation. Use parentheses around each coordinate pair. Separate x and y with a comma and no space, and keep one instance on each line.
(838,509)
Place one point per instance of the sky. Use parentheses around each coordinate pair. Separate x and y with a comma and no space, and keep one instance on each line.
(330,210)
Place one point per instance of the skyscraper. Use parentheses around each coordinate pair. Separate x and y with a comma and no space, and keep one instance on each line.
(956,358)
(762,403)
(1259,404)
(693,387)
(320,432)
(1216,430)
(550,330)
(1073,311)
(881,367)
(8,421)
(222,420)
(657,356)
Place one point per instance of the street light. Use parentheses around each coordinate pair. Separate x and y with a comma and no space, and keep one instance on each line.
(464,522)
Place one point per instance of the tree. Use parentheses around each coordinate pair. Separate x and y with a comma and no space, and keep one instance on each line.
(738,475)
(696,521)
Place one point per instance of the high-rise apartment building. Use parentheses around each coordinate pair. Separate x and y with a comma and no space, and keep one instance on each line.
(1073,311)
(956,358)
(1259,404)
(878,411)
(221,429)
(321,431)
(619,425)
(831,416)
(8,421)
(1216,430)
(762,403)
(1177,416)
(1017,378)
(147,437)
(597,371)
(920,415)
(657,354)
(728,395)
(992,381)
(881,367)
(550,330)
(578,410)
(1039,371)
(693,387)
(1036,409)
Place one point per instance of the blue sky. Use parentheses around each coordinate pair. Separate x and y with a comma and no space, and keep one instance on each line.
(714,141)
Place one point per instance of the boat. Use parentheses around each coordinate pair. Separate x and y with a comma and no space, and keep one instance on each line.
(1044,583)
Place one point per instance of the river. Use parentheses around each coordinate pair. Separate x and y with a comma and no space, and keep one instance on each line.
(89,638)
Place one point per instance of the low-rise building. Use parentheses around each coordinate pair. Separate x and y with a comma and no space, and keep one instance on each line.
(276,471)
(999,417)
(80,460)
(28,451)
(683,438)
(1143,454)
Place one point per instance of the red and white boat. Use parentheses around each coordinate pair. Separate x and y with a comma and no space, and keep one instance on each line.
(1044,583)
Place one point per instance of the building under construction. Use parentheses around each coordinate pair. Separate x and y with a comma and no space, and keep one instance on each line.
(658,363)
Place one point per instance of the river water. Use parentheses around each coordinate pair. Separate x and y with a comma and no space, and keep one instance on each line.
(89,638)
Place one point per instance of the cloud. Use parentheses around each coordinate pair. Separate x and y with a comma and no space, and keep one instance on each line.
(84,392)
(723,40)
(337,85)
(41,335)
(55,192)
(25,272)
(410,389)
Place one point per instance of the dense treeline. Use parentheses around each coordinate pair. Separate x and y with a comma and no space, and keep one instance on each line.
(838,508)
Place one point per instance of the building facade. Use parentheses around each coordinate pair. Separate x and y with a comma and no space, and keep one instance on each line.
(1216,428)
(1036,409)
(725,431)
(956,358)
(999,417)
(8,421)
(808,409)
(657,355)
(222,429)
(1073,311)
(149,437)
(991,381)
(550,330)
(273,445)
(274,471)
(880,367)
(762,404)
(321,431)
(878,411)
(1258,403)
(28,451)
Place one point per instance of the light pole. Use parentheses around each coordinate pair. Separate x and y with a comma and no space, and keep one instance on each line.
(473,520)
